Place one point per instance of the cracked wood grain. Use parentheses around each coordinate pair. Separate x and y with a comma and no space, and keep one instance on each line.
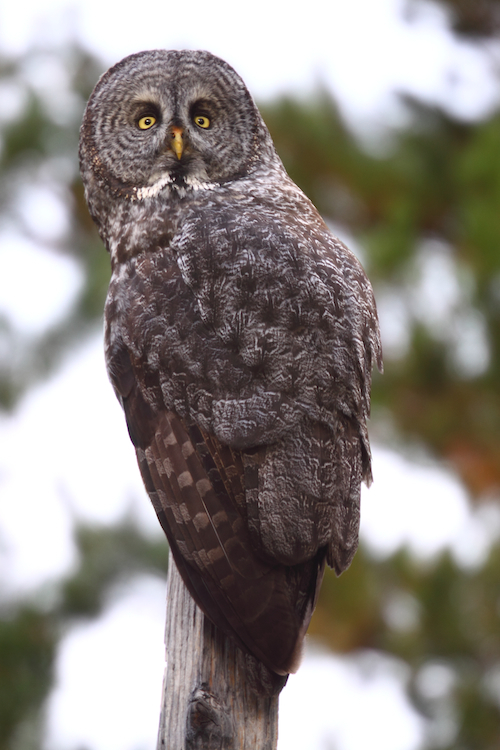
(208,702)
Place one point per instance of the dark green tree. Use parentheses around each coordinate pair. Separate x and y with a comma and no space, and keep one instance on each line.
(429,207)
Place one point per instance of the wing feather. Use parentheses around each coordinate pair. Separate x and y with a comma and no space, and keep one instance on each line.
(265,607)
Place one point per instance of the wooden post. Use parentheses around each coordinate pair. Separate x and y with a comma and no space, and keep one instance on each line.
(207,702)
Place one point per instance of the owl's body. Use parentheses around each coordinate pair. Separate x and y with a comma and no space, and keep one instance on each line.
(240,338)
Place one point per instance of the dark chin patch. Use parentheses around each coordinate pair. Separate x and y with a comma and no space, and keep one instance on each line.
(180,169)
(188,166)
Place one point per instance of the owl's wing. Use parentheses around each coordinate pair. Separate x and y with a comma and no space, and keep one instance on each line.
(197,487)
(296,311)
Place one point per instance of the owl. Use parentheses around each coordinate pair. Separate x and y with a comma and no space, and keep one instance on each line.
(240,337)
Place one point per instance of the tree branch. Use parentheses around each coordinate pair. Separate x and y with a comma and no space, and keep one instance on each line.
(208,702)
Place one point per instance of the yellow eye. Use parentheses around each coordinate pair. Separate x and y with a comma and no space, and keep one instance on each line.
(146,122)
(202,121)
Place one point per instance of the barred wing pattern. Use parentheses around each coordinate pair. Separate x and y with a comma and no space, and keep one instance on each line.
(195,485)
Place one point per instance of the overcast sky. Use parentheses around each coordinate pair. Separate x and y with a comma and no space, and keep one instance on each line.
(364,50)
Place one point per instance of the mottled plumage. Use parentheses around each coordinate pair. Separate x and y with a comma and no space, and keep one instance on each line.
(240,339)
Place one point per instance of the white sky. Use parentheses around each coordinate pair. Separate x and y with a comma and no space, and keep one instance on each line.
(363,50)
(80,461)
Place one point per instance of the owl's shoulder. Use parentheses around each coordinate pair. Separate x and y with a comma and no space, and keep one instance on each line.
(264,224)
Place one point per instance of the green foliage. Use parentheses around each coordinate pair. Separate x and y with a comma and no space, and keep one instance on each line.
(28,641)
(439,184)
(108,555)
(440,619)
(39,148)
(29,634)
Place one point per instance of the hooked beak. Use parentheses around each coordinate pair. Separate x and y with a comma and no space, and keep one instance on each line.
(176,142)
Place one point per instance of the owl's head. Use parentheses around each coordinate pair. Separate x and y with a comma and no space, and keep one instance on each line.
(171,117)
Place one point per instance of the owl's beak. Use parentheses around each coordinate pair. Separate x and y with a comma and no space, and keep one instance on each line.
(176,142)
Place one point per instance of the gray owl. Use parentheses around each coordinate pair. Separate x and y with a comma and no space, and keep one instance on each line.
(240,336)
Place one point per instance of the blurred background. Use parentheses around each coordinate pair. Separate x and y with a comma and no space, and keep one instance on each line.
(387,115)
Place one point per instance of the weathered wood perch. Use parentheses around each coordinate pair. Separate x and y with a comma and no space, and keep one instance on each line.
(207,701)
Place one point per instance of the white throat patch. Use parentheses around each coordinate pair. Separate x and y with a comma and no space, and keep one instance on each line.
(190,182)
